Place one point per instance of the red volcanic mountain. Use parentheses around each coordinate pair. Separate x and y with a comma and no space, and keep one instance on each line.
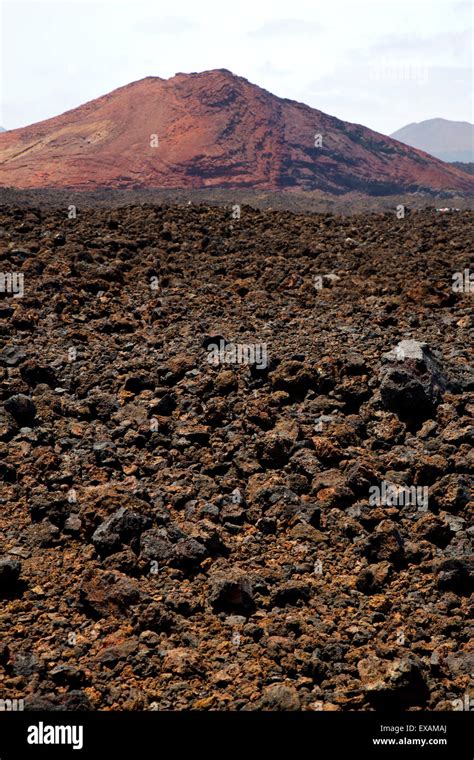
(213,129)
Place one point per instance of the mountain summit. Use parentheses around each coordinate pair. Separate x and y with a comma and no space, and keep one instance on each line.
(213,129)
(443,138)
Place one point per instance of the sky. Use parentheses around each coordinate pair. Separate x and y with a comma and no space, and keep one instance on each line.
(381,63)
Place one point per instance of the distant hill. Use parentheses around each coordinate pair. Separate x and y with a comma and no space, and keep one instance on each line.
(469,168)
(214,129)
(450,141)
(2,129)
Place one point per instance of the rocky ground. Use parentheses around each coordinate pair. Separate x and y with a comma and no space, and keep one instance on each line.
(181,534)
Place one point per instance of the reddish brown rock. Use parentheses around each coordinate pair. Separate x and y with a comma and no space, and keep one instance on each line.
(108,593)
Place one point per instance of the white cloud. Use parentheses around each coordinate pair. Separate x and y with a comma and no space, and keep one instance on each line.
(167,25)
(287,27)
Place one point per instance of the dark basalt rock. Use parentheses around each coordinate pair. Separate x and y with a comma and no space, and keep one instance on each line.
(120,528)
(414,380)
(232,593)
(10,570)
(457,575)
(22,408)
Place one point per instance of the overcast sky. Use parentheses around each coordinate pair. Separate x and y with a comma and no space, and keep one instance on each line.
(382,63)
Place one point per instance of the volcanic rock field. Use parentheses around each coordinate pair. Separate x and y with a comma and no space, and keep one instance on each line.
(278,523)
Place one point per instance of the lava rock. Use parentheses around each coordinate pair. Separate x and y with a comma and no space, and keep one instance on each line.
(67,675)
(34,373)
(10,570)
(104,593)
(291,592)
(165,406)
(27,664)
(315,668)
(414,382)
(385,544)
(398,682)
(155,617)
(11,356)
(405,395)
(232,592)
(189,553)
(156,546)
(22,408)
(118,529)
(451,493)
(294,377)
(456,575)
(432,528)
(373,579)
(280,698)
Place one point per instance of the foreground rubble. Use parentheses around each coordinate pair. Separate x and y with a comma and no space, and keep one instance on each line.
(235,460)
